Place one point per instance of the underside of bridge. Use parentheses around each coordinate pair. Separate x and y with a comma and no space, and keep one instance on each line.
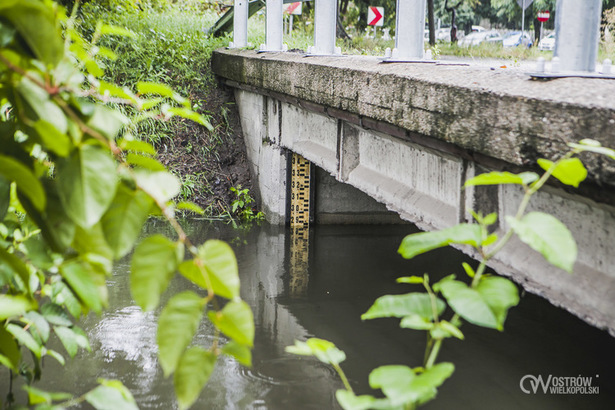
(396,144)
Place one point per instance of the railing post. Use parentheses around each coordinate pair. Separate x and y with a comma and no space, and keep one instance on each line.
(325,22)
(274,23)
(240,24)
(577,33)
(409,29)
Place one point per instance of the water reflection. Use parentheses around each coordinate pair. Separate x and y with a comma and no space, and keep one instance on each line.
(346,268)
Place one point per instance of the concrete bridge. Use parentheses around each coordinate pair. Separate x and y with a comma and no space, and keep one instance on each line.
(395,142)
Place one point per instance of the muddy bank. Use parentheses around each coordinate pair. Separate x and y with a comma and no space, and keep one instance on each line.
(209,163)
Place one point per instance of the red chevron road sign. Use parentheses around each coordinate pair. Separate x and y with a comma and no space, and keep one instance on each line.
(375,16)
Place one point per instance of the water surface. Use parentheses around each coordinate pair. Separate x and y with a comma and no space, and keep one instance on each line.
(321,290)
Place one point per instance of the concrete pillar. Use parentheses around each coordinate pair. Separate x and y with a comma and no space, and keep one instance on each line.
(409,29)
(325,21)
(240,24)
(577,32)
(274,23)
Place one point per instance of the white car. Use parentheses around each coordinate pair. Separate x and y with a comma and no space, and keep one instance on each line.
(478,37)
(547,43)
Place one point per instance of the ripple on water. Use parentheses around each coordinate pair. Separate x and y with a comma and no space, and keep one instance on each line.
(286,371)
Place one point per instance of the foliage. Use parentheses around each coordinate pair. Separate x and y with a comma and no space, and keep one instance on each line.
(485,301)
(75,191)
(243,206)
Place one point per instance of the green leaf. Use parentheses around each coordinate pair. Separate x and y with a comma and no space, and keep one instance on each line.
(569,171)
(123,221)
(221,266)
(236,321)
(112,90)
(59,358)
(394,381)
(418,243)
(469,304)
(16,265)
(5,196)
(39,325)
(46,41)
(138,146)
(190,115)
(497,178)
(146,88)
(546,234)
(490,219)
(189,206)
(144,162)
(193,372)
(72,339)
(57,228)
(53,139)
(177,326)
(9,349)
(349,401)
(55,315)
(403,305)
(87,183)
(468,269)
(402,385)
(110,398)
(451,329)
(106,29)
(38,100)
(25,180)
(92,240)
(107,121)
(593,146)
(500,294)
(14,305)
(430,379)
(410,279)
(242,353)
(25,338)
(415,322)
(38,396)
(161,186)
(62,294)
(324,350)
(153,264)
(89,287)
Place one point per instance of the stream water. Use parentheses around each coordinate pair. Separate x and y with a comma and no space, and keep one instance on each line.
(348,268)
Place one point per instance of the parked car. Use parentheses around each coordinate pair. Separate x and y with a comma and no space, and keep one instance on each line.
(516,38)
(547,43)
(480,37)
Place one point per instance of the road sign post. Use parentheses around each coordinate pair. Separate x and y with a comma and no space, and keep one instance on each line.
(292,9)
(523,4)
(542,17)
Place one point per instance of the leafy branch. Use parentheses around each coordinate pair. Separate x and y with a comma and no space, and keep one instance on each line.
(75,191)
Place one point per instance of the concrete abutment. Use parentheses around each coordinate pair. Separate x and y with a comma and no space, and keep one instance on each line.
(384,166)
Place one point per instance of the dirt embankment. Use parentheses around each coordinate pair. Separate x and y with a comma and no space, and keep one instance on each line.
(210,163)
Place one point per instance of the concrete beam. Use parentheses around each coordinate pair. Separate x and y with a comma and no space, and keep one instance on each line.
(498,114)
